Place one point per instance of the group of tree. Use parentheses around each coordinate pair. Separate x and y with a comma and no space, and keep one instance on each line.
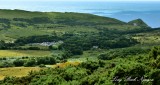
(4,23)
(123,52)
(92,73)
(76,44)
(29,62)
(34,20)
(37,39)
(4,45)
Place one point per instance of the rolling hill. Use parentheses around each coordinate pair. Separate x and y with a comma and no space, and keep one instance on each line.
(76,49)
(15,22)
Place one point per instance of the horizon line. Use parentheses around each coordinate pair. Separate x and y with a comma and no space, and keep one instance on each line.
(83,0)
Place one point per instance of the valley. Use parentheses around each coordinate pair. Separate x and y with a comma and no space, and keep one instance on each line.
(53,48)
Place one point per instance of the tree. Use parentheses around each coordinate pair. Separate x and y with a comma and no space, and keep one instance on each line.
(30,62)
(153,53)
(34,48)
(2,45)
(50,47)
(104,57)
(46,60)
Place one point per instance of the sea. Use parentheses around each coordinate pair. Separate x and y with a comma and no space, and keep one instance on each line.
(125,11)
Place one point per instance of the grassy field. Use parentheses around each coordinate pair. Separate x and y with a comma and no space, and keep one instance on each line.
(23,71)
(16,71)
(151,37)
(21,53)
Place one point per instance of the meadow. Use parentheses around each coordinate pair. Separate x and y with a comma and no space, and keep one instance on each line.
(24,71)
(16,71)
(23,53)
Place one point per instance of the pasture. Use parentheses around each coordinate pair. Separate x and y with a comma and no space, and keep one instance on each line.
(16,71)
(24,53)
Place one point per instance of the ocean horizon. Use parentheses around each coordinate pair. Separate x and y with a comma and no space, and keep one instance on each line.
(149,12)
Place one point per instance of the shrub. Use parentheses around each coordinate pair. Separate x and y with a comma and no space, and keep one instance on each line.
(104,57)
(132,70)
(33,48)
(46,60)
(42,65)
(30,62)
(19,62)
(6,64)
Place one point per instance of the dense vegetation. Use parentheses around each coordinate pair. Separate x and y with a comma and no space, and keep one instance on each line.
(109,51)
(98,72)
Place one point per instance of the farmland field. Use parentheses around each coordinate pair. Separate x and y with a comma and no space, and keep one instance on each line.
(16,71)
(23,71)
(21,53)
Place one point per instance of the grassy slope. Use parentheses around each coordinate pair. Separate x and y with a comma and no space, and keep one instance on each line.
(89,23)
(10,14)
(148,38)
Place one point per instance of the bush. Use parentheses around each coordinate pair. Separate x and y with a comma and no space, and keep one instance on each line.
(66,55)
(19,62)
(104,57)
(6,64)
(90,65)
(155,75)
(155,51)
(132,70)
(30,62)
(33,48)
(42,65)
(46,60)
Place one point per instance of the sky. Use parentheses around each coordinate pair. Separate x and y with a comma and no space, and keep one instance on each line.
(75,0)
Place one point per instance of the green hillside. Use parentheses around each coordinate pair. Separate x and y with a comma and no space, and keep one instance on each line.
(76,49)
(138,22)
(15,22)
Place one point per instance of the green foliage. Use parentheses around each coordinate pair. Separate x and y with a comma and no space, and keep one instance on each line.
(79,33)
(36,39)
(6,64)
(90,73)
(40,20)
(33,48)
(2,45)
(19,62)
(30,63)
(45,60)
(42,65)
(76,44)
(155,75)
(123,52)
(155,51)
(131,71)
(138,22)
(66,55)
(104,57)
(91,65)
(154,57)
